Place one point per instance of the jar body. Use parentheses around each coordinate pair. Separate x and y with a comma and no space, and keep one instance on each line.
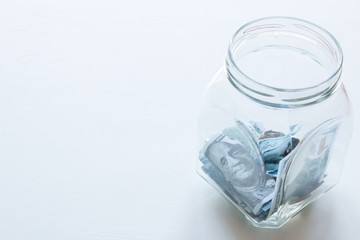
(294,175)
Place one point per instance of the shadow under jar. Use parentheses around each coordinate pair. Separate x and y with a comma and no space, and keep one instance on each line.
(275,121)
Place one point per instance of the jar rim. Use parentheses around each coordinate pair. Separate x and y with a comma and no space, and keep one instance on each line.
(285,97)
(331,76)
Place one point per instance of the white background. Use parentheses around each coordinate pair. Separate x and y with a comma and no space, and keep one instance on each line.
(98,119)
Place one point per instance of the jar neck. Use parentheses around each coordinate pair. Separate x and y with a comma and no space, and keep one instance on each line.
(277,62)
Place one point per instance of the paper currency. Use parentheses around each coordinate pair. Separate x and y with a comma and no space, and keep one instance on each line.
(251,165)
(240,170)
(280,181)
(233,193)
(275,146)
(309,166)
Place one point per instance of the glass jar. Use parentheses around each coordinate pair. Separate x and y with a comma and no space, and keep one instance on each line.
(275,121)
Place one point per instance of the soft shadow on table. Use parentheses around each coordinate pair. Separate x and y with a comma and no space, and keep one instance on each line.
(312,222)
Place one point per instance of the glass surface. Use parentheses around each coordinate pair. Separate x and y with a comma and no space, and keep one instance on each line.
(275,120)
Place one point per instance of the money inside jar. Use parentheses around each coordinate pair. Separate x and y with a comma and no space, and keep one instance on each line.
(249,164)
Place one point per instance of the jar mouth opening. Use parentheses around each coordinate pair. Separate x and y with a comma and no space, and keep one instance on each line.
(284,33)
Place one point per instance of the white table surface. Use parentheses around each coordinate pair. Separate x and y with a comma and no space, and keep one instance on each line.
(98,119)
